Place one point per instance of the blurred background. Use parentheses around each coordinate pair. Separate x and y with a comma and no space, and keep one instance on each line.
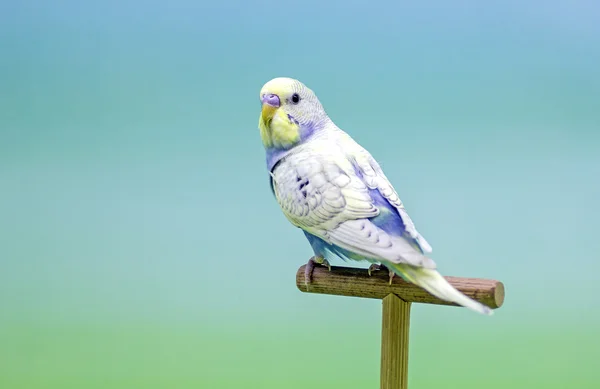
(141,247)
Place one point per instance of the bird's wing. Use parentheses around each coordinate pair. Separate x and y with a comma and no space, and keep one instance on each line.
(316,194)
(373,177)
(322,194)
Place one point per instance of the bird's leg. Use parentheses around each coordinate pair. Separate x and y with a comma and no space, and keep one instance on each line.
(374,267)
(377,267)
(310,266)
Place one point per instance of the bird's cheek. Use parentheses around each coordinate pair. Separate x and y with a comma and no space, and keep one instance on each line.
(285,132)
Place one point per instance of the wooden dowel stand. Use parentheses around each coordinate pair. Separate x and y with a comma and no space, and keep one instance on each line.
(397,299)
(394,342)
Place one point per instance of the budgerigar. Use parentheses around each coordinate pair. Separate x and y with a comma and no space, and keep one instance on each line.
(334,190)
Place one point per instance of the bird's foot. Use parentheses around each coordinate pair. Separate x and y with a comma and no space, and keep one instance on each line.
(377,267)
(310,266)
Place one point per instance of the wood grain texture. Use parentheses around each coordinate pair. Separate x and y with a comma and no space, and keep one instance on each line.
(346,281)
(394,343)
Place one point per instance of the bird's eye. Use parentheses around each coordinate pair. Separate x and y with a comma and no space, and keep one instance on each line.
(295,98)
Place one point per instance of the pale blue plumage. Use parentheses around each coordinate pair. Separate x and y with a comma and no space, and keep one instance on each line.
(391,221)
(334,190)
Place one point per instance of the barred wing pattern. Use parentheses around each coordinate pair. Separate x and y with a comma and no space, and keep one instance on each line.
(374,178)
(322,194)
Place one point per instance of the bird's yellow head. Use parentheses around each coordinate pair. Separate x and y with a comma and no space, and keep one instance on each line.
(290,113)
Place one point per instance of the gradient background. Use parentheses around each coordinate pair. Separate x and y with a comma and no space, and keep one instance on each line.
(140,246)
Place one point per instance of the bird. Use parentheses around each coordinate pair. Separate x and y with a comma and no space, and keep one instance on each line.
(335,191)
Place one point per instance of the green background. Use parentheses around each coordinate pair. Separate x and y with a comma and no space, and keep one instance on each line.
(140,246)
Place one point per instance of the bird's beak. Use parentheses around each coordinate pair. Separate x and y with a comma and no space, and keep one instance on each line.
(270,103)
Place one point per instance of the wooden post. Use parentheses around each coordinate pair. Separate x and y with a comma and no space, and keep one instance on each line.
(394,343)
(397,299)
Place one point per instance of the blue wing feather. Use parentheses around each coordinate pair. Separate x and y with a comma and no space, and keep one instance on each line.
(389,219)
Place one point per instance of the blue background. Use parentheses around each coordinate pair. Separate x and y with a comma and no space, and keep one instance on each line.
(140,245)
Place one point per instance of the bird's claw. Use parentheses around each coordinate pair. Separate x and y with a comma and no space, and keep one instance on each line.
(373,267)
(310,266)
(377,267)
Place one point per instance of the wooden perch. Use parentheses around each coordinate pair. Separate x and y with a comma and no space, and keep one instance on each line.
(353,282)
(397,299)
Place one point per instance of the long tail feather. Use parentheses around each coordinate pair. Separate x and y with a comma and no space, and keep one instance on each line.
(434,283)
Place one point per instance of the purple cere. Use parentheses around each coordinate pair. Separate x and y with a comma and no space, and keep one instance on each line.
(271,99)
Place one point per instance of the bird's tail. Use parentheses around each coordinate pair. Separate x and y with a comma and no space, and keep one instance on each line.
(434,283)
